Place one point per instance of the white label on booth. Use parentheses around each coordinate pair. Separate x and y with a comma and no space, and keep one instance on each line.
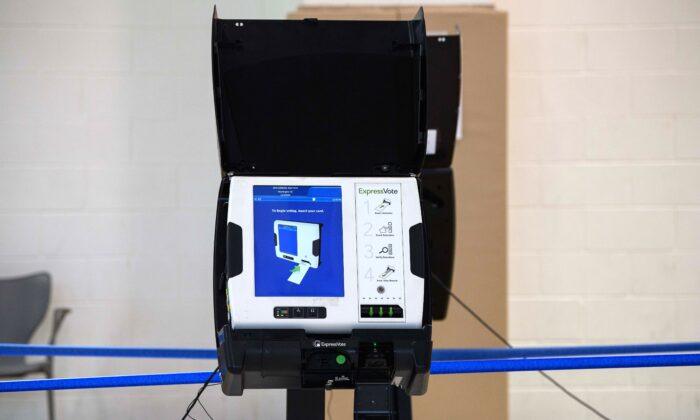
(431,144)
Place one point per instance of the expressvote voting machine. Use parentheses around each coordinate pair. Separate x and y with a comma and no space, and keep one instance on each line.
(321,277)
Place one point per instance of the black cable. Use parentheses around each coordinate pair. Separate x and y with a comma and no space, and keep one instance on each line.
(199,393)
(504,341)
(205,410)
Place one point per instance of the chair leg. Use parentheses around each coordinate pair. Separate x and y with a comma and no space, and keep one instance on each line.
(49,395)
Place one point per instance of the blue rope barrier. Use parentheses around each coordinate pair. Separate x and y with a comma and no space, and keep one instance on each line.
(437,368)
(182,378)
(565,363)
(144,352)
(438,354)
(511,353)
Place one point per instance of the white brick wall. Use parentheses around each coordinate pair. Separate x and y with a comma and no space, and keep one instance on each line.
(604,193)
(108,179)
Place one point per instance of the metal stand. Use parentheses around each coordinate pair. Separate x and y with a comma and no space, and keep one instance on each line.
(372,402)
(403,403)
(381,402)
(306,404)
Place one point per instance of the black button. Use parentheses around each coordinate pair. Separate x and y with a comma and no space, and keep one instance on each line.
(311,313)
(321,312)
(297,312)
(281,312)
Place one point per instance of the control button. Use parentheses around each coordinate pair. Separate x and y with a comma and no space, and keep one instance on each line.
(297,312)
(340,359)
(311,313)
(281,312)
(321,312)
(381,311)
(394,311)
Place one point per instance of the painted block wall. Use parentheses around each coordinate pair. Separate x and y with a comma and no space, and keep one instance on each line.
(604,196)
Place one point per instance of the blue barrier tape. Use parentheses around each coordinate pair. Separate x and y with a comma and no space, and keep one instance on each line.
(437,368)
(145,352)
(510,353)
(182,378)
(438,354)
(565,363)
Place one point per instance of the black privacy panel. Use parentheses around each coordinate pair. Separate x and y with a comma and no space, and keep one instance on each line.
(437,197)
(320,97)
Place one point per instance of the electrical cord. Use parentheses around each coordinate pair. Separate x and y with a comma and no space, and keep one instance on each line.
(199,394)
(507,343)
(205,410)
(202,405)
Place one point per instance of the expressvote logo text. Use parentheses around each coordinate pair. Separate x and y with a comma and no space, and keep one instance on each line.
(366,191)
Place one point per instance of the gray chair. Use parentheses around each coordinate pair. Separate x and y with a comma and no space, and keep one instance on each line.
(23,304)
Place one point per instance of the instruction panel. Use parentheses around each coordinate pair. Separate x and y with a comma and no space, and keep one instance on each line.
(380,253)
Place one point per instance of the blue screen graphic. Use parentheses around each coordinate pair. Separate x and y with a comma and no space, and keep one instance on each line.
(288,239)
(321,205)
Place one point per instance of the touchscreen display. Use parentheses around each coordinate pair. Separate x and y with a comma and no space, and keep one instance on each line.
(298,241)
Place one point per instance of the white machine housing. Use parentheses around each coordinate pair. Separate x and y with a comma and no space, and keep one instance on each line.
(366,233)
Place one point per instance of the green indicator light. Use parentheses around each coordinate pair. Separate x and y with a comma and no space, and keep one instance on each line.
(371,311)
(391,311)
(340,359)
(381,311)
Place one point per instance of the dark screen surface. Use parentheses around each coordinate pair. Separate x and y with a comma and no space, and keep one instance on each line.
(320,97)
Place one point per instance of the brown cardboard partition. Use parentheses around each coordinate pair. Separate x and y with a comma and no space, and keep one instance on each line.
(480,274)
